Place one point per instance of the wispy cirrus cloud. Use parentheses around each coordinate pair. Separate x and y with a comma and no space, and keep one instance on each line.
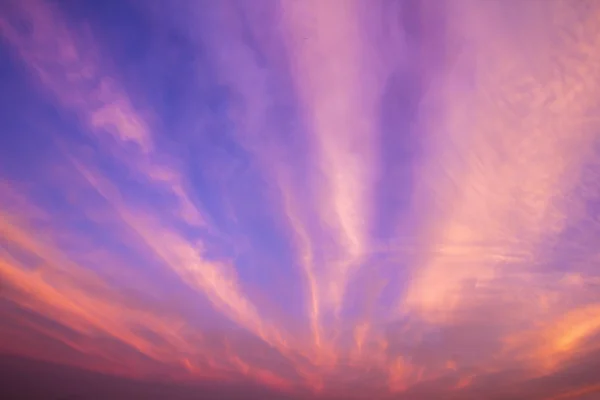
(328,199)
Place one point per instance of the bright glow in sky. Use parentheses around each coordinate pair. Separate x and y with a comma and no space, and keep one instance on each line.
(355,199)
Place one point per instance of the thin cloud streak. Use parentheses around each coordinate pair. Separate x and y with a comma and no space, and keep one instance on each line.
(340,108)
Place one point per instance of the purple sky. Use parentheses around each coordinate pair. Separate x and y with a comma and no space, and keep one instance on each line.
(357,199)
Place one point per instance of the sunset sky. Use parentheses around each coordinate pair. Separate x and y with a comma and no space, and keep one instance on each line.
(301,199)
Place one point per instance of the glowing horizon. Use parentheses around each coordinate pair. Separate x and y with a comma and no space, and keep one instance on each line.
(344,198)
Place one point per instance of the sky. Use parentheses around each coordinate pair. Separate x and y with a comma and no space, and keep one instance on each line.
(300,199)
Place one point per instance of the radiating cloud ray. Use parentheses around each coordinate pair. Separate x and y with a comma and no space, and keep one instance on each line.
(329,54)
(54,289)
(72,71)
(108,110)
(521,133)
